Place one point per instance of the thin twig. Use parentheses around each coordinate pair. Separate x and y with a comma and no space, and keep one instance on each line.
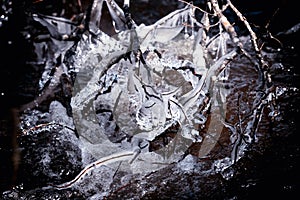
(195,7)
(45,125)
(126,155)
(252,34)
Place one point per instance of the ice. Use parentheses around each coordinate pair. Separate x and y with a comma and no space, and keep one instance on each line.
(56,46)
(147,102)
(222,164)
(134,88)
(103,173)
(280,91)
(187,164)
(58,114)
(143,97)
(223,167)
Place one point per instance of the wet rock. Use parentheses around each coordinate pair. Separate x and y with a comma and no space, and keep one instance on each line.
(48,156)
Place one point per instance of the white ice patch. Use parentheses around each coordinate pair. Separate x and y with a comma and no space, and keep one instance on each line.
(187,164)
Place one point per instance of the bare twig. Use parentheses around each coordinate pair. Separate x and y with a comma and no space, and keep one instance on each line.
(252,34)
(103,161)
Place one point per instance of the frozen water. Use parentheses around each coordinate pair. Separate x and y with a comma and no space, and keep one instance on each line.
(187,164)
(58,114)
(137,84)
(134,88)
(134,97)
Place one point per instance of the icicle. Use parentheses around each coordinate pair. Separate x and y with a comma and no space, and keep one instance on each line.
(95,17)
(117,15)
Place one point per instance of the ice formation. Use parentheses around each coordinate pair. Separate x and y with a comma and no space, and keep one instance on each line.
(133,86)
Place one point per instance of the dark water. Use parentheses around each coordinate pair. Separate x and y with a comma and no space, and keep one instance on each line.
(270,169)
